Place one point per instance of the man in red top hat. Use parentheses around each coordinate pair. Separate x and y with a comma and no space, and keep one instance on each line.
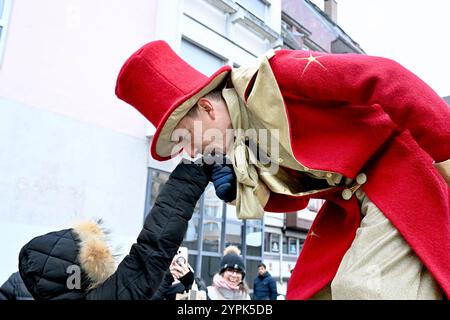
(361,132)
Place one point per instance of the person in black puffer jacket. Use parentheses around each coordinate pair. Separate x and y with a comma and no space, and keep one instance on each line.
(77,264)
(14,289)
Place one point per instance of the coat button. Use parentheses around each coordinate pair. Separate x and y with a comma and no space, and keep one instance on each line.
(347,194)
(361,178)
(280,160)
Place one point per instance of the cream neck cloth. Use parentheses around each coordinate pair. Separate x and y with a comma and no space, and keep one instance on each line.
(251,195)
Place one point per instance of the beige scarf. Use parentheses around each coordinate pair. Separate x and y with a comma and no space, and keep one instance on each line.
(255,180)
(252,195)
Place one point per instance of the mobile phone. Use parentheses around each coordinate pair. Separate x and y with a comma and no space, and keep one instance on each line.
(182,256)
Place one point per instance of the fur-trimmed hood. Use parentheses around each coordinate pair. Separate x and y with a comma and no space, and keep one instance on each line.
(95,256)
(66,264)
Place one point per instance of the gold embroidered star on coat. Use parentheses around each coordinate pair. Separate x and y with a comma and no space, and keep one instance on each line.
(311,59)
(313,234)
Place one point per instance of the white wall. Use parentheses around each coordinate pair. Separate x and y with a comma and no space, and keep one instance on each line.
(64,56)
(69,148)
(275,219)
(56,170)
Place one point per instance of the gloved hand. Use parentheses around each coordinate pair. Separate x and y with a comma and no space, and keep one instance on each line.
(224,180)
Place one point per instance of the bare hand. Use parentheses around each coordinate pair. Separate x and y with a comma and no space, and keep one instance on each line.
(178,271)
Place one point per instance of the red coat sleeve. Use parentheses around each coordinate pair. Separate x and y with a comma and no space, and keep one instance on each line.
(361,79)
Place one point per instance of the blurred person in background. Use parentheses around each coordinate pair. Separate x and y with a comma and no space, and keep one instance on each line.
(264,286)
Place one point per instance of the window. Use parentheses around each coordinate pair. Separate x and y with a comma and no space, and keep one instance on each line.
(233,235)
(211,235)
(212,220)
(156,181)
(191,237)
(275,243)
(159,179)
(266,242)
(234,231)
(285,245)
(209,267)
(292,246)
(300,244)
(213,205)
(251,271)
(253,240)
(256,7)
(5,9)
(272,242)
(200,59)
(231,214)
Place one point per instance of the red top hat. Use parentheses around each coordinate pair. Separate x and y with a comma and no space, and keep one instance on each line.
(163,88)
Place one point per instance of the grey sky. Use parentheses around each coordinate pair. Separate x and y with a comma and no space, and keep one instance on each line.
(415,33)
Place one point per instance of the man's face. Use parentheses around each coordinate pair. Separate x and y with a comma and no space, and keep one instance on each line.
(208,131)
(261,270)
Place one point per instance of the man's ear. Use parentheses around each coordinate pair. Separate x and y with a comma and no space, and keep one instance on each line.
(206,105)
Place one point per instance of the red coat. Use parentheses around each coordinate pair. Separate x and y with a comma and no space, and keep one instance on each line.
(355,113)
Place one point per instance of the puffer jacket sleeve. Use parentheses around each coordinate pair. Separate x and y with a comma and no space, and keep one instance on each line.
(165,285)
(140,273)
(14,289)
(7,290)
